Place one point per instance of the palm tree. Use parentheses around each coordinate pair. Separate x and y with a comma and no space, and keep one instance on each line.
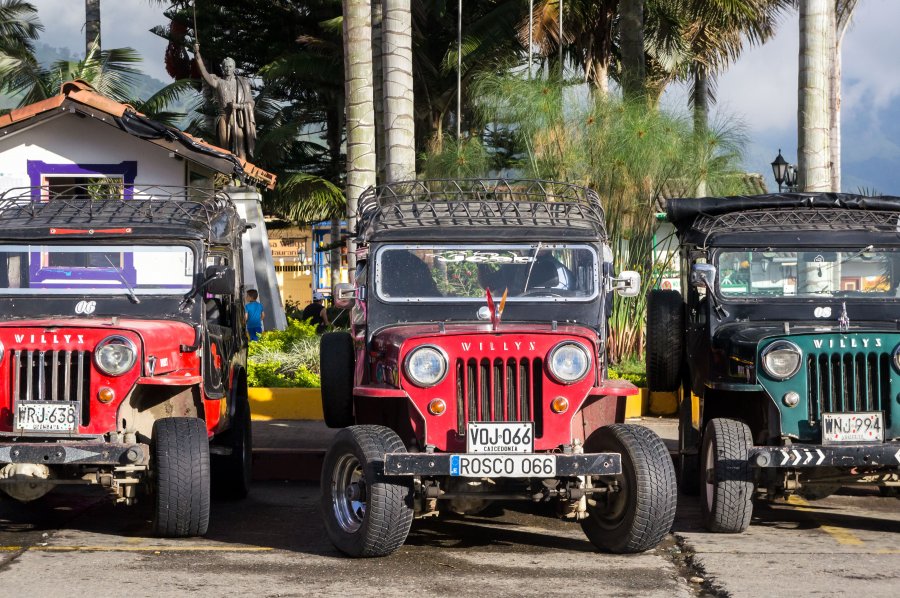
(842,16)
(360,109)
(816,22)
(399,118)
(91,26)
(631,45)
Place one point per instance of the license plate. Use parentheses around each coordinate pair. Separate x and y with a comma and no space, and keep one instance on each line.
(503,466)
(500,437)
(40,416)
(852,427)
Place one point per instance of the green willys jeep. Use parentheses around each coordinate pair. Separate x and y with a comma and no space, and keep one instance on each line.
(786,345)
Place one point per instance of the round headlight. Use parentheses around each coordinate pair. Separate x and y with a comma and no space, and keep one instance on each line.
(781,359)
(569,362)
(426,366)
(115,355)
(896,356)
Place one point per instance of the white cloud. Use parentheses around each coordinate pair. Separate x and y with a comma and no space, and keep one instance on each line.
(123,23)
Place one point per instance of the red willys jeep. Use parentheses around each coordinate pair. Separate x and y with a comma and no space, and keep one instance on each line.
(123,347)
(475,369)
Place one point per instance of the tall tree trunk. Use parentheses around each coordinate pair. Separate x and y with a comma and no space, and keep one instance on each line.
(631,33)
(816,20)
(700,104)
(378,87)
(400,138)
(360,109)
(843,15)
(91,26)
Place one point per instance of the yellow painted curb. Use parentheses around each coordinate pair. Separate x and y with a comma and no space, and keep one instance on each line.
(636,405)
(663,403)
(285,403)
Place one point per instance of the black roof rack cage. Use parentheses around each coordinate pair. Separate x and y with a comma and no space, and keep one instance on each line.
(797,219)
(479,203)
(113,203)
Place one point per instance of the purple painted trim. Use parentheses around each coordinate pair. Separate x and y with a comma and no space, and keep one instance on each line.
(127,169)
(38,274)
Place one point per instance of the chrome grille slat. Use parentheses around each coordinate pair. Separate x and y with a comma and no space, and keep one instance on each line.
(847,382)
(51,375)
(497,390)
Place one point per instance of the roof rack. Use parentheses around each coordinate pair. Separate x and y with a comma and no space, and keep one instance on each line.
(507,203)
(793,220)
(111,203)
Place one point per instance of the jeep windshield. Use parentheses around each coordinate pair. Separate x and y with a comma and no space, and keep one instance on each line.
(95,270)
(525,272)
(776,272)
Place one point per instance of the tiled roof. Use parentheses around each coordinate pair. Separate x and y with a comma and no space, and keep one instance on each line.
(83,93)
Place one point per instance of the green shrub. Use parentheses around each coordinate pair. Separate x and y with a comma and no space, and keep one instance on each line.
(283,358)
(633,371)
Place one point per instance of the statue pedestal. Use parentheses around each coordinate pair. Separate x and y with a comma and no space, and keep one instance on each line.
(259,268)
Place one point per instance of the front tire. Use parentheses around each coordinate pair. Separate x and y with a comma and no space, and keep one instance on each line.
(336,357)
(181,467)
(366,513)
(726,496)
(635,518)
(232,474)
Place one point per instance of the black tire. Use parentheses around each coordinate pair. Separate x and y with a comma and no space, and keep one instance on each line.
(726,478)
(640,514)
(665,340)
(378,522)
(337,359)
(233,473)
(181,469)
(688,448)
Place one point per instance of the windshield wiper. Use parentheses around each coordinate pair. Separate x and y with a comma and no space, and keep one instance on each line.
(537,250)
(131,294)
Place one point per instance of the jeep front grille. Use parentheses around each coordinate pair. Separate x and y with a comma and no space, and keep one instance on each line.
(498,390)
(846,382)
(51,376)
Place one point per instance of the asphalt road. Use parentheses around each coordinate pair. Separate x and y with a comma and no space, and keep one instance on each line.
(273,544)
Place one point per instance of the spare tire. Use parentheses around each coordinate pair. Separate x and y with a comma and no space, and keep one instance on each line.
(337,360)
(665,340)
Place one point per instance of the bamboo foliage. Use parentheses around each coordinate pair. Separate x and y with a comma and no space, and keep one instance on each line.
(630,155)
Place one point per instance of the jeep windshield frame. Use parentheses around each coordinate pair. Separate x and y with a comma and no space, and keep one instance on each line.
(462,273)
(801,273)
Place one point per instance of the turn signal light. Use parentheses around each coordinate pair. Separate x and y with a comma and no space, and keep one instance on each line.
(106,394)
(559,405)
(437,406)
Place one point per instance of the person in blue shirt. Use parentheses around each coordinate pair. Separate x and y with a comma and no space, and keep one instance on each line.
(255,314)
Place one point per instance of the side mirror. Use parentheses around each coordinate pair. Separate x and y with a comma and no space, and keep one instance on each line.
(627,283)
(703,276)
(219,280)
(344,295)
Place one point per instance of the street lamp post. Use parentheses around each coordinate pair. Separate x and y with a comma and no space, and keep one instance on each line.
(779,169)
(790,178)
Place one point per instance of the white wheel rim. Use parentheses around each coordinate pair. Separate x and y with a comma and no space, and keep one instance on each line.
(709,462)
(349,513)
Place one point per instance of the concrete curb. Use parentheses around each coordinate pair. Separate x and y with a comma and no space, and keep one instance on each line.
(306,404)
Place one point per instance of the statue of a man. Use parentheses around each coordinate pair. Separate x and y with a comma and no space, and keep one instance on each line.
(235,123)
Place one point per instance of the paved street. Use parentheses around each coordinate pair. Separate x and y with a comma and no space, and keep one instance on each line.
(273,544)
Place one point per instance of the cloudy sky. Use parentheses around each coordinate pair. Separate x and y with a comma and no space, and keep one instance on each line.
(759,92)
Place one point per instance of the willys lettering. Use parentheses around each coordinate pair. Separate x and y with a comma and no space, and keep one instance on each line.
(51,339)
(845,343)
(501,346)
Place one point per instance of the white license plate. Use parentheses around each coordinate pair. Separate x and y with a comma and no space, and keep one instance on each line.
(34,416)
(500,437)
(852,427)
(503,466)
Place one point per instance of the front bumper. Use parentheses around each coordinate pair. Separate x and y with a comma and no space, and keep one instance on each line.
(74,453)
(567,465)
(885,454)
